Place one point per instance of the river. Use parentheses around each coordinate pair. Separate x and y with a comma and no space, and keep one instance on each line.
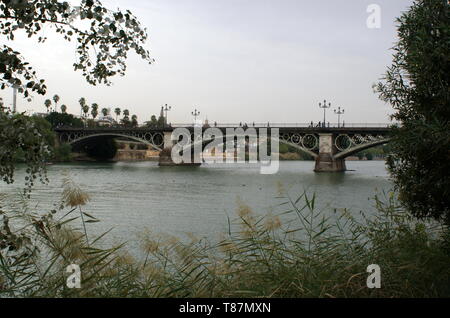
(136,197)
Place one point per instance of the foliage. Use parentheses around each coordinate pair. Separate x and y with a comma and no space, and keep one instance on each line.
(45,128)
(24,135)
(86,110)
(48,104)
(306,255)
(134,121)
(94,110)
(154,122)
(376,152)
(56,99)
(102,46)
(126,118)
(63,153)
(63,119)
(291,153)
(416,85)
(142,147)
(161,121)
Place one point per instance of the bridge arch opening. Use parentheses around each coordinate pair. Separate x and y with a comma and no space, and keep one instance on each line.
(155,141)
(360,148)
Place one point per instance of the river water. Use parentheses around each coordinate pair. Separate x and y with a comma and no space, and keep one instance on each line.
(136,197)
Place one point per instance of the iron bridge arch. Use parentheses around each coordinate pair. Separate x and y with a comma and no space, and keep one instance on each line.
(152,139)
(344,145)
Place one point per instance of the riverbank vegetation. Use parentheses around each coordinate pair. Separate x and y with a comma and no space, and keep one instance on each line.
(291,153)
(300,252)
(41,128)
(417,86)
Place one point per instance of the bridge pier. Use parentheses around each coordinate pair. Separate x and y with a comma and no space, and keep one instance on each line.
(165,157)
(326,162)
(165,160)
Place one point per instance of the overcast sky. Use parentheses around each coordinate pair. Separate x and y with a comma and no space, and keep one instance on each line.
(236,61)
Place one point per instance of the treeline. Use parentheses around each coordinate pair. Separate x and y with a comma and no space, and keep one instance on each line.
(380,152)
(57,152)
(288,152)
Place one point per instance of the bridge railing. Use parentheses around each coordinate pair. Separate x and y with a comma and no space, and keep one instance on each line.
(289,125)
(237,125)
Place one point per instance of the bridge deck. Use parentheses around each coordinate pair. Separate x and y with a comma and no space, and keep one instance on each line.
(349,128)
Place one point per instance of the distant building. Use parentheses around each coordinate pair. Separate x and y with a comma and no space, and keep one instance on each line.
(106,121)
(42,115)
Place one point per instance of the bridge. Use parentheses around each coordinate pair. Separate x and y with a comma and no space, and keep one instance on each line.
(329,145)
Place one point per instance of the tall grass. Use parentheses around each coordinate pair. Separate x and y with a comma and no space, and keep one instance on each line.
(299,253)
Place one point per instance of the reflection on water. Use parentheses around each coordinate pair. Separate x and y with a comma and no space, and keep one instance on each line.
(131,197)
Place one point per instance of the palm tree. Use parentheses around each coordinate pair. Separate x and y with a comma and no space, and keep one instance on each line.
(63,109)
(85,111)
(94,111)
(105,112)
(153,121)
(56,100)
(48,104)
(82,102)
(117,111)
(134,121)
(126,117)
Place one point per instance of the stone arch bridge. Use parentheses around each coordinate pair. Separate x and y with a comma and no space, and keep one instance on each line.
(328,146)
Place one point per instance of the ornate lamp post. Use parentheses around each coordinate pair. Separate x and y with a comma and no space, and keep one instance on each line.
(195,113)
(339,112)
(324,106)
(167,108)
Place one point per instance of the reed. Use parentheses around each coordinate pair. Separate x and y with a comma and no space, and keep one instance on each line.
(300,252)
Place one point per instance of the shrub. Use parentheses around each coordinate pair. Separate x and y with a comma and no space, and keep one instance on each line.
(63,153)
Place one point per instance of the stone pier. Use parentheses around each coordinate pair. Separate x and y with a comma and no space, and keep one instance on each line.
(326,162)
(165,157)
